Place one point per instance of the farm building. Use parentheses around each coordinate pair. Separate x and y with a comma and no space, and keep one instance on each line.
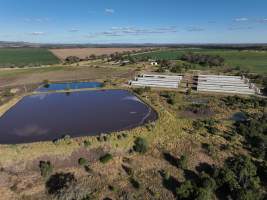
(226,84)
(154,63)
(160,81)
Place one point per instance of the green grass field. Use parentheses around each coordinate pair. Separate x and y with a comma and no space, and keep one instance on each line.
(17,57)
(251,60)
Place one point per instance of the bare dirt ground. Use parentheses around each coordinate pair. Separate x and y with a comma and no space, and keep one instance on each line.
(84,52)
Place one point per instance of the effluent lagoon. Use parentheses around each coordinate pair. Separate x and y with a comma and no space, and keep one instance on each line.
(68,86)
(46,117)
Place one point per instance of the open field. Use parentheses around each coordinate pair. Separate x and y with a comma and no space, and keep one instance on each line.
(14,77)
(17,57)
(255,61)
(86,52)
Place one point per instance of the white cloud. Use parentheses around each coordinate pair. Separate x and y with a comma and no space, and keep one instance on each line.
(37,33)
(125,31)
(194,29)
(74,30)
(38,20)
(236,28)
(241,19)
(262,21)
(109,11)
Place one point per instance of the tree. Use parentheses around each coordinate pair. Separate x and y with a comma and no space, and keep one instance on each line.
(140,145)
(186,190)
(72,59)
(182,163)
(46,168)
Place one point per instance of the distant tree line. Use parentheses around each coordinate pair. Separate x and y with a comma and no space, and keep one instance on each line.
(202,59)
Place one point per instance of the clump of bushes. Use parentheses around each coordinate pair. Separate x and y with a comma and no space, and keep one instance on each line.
(200,109)
(182,162)
(140,145)
(209,148)
(59,183)
(169,96)
(7,93)
(244,103)
(208,124)
(201,59)
(106,158)
(237,179)
(87,143)
(134,183)
(64,138)
(82,161)
(46,83)
(46,168)
(141,90)
(254,130)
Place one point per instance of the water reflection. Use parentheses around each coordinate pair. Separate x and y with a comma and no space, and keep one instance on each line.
(69,86)
(49,116)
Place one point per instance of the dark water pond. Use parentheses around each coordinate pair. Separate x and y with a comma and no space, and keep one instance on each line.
(70,86)
(239,117)
(45,117)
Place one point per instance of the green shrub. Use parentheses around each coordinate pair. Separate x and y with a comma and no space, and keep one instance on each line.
(141,90)
(182,163)
(46,168)
(134,183)
(106,158)
(185,191)
(82,161)
(46,83)
(239,177)
(140,145)
(87,143)
(209,148)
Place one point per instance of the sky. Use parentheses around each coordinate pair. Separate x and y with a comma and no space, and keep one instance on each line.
(134,21)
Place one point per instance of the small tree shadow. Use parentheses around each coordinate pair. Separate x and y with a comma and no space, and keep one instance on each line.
(170,183)
(58,182)
(205,167)
(190,175)
(171,159)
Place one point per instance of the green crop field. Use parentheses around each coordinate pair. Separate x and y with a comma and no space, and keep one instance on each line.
(254,61)
(17,57)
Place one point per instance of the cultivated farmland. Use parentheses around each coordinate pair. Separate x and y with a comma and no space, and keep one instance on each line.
(85,52)
(255,61)
(18,57)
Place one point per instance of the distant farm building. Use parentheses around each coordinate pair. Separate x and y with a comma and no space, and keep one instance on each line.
(226,84)
(154,63)
(158,81)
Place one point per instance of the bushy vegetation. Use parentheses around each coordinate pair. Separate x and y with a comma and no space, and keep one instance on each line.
(46,168)
(254,130)
(202,59)
(72,59)
(182,162)
(237,179)
(82,161)
(200,109)
(169,96)
(141,90)
(58,183)
(106,158)
(140,145)
(208,124)
(241,60)
(244,103)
